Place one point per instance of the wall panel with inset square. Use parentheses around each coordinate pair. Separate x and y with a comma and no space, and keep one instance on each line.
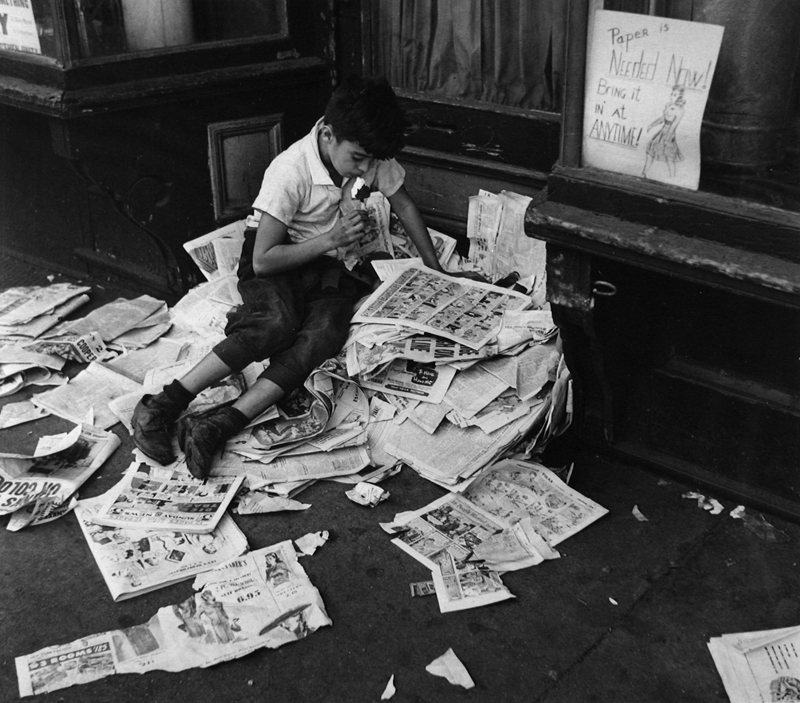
(239,152)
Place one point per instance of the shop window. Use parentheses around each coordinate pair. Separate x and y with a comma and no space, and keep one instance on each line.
(503,52)
(108,27)
(750,136)
(481,79)
(26,27)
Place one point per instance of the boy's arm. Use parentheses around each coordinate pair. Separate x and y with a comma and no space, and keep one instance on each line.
(403,206)
(274,253)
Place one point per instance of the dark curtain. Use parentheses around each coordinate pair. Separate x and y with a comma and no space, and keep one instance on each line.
(506,52)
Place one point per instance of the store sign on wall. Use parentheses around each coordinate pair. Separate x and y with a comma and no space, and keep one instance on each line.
(647,82)
(18,27)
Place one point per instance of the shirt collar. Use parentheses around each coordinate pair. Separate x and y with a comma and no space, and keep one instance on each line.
(319,174)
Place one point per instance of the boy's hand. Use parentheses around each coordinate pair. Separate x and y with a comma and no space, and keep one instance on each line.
(351,228)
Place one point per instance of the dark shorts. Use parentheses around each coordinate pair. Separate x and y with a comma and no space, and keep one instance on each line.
(296,319)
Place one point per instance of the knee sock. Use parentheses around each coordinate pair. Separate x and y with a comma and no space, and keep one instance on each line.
(178,394)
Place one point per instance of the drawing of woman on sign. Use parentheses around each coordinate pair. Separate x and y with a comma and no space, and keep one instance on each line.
(663,146)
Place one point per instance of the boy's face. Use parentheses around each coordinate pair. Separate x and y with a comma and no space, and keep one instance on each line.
(342,157)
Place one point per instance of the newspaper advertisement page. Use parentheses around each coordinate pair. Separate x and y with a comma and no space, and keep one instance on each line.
(758,666)
(261,599)
(412,379)
(422,348)
(443,536)
(451,524)
(514,489)
(82,661)
(164,499)
(465,311)
(134,561)
(461,584)
(55,477)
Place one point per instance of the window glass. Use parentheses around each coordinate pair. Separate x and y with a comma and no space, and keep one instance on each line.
(26,26)
(750,137)
(501,52)
(109,27)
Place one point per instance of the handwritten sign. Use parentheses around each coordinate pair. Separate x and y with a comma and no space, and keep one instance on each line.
(647,83)
(18,27)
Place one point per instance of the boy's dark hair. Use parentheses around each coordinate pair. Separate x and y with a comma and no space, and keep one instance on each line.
(366,111)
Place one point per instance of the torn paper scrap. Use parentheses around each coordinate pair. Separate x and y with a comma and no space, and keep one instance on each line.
(638,514)
(260,502)
(55,476)
(41,511)
(422,588)
(712,505)
(17,413)
(517,547)
(308,544)
(261,599)
(390,690)
(461,585)
(450,667)
(367,494)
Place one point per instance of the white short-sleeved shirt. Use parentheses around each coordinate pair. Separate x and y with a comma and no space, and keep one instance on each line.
(298,190)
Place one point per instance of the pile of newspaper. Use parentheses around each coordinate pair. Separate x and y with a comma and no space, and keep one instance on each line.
(446,375)
(443,374)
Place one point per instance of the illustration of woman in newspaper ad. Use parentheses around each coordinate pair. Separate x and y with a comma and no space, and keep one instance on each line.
(664,145)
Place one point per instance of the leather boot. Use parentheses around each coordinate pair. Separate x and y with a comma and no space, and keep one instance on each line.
(203,435)
(154,420)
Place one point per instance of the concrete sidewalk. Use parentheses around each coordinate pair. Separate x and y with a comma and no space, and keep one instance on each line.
(624,615)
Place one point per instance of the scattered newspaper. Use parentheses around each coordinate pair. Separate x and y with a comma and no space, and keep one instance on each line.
(23,304)
(156,498)
(464,311)
(112,319)
(760,666)
(443,536)
(514,489)
(451,453)
(261,599)
(76,347)
(38,326)
(41,511)
(205,307)
(13,414)
(217,253)
(94,388)
(483,222)
(53,476)
(134,561)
